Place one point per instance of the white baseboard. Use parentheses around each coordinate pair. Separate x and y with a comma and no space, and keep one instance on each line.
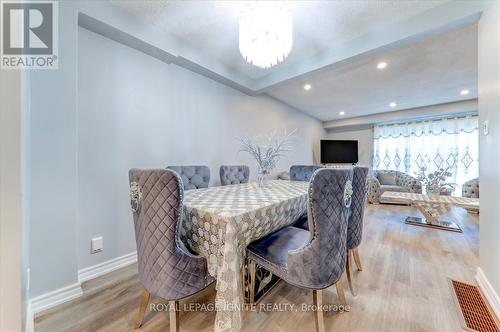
(29,319)
(488,292)
(61,295)
(58,296)
(103,268)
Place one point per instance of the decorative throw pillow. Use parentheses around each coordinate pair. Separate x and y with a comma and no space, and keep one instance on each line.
(284,176)
(387,179)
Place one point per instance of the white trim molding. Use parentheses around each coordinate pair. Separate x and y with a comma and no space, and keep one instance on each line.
(103,268)
(29,319)
(488,291)
(56,297)
(410,114)
(73,291)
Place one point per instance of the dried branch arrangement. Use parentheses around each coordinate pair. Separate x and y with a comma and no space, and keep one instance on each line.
(436,182)
(269,153)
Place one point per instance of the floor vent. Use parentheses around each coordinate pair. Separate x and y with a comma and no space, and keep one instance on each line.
(474,311)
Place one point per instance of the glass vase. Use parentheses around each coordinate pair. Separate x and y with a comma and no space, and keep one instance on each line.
(262,176)
(431,191)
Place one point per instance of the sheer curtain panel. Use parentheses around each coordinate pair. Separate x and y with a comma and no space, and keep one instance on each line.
(442,143)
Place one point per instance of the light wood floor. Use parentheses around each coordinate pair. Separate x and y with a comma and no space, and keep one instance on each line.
(403,287)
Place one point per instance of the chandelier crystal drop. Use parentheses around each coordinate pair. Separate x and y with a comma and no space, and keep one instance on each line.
(266,33)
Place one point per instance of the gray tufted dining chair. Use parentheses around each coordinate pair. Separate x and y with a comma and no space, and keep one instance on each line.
(193,177)
(312,260)
(302,172)
(166,268)
(355,221)
(233,174)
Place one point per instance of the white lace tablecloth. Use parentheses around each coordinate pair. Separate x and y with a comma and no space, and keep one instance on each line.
(219,223)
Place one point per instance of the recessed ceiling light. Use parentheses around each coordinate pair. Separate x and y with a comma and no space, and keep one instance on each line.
(464,92)
(381,65)
(393,104)
(307,87)
(341,113)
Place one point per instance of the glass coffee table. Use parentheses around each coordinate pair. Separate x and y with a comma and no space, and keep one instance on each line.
(432,207)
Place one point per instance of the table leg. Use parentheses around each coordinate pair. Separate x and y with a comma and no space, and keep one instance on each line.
(243,281)
(264,282)
(432,212)
(252,268)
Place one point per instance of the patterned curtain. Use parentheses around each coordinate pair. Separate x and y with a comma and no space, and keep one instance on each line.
(435,144)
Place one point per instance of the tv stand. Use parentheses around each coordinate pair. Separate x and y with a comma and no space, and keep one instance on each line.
(337,165)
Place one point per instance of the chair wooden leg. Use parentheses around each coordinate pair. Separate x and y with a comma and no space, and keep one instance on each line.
(340,292)
(243,282)
(252,268)
(145,295)
(356,259)
(348,272)
(318,315)
(173,311)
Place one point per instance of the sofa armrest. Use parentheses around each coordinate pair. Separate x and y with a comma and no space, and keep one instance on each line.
(373,189)
(471,189)
(410,182)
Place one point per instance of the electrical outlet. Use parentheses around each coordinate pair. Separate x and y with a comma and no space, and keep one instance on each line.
(96,245)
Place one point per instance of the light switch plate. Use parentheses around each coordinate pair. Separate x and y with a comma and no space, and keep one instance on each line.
(96,245)
(486,128)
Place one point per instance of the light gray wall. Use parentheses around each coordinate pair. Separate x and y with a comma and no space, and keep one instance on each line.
(61,217)
(365,143)
(489,146)
(10,201)
(53,172)
(53,175)
(25,190)
(137,111)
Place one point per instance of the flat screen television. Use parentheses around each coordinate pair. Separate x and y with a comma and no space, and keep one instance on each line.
(339,152)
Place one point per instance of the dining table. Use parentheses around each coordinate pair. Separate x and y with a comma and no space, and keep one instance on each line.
(218,224)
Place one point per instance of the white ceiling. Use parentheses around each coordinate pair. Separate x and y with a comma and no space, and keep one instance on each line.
(212,27)
(429,72)
(423,73)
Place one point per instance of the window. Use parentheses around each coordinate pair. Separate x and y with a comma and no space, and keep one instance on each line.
(444,143)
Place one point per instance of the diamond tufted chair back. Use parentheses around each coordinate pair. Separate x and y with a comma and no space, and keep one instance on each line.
(355,221)
(166,268)
(302,172)
(193,177)
(321,262)
(234,174)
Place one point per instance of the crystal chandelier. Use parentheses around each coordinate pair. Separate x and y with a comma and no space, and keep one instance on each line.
(266,35)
